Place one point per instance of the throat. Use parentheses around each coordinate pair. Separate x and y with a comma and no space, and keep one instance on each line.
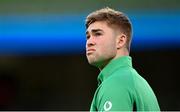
(103,64)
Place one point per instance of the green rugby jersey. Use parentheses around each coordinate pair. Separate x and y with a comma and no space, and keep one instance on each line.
(120,88)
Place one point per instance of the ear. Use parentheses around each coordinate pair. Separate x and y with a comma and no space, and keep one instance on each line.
(121,40)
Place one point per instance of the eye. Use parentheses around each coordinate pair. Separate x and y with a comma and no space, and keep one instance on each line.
(98,34)
(87,37)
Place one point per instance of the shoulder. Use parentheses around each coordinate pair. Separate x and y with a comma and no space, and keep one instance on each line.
(120,82)
(122,77)
(117,90)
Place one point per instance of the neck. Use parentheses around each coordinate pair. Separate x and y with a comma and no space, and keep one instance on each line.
(104,64)
(120,53)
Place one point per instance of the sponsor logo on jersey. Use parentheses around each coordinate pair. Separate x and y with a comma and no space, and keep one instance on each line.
(107,106)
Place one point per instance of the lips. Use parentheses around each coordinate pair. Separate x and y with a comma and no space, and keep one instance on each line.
(89,51)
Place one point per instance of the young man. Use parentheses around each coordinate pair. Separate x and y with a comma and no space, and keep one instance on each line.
(120,87)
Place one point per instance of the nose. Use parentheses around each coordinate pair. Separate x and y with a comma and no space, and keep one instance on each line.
(90,42)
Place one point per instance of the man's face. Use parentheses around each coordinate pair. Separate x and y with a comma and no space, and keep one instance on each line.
(101,43)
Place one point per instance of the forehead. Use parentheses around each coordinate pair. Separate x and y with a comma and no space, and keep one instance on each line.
(102,25)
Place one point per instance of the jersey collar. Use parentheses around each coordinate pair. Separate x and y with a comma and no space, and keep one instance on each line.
(112,66)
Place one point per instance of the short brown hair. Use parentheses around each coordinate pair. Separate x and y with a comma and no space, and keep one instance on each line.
(112,18)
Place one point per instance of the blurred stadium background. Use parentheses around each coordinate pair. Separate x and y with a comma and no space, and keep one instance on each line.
(42,52)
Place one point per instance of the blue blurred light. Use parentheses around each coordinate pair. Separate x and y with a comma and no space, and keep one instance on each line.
(28,34)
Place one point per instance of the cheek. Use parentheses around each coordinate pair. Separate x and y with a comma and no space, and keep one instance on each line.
(111,50)
(108,49)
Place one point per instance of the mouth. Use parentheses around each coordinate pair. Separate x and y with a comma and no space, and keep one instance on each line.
(90,51)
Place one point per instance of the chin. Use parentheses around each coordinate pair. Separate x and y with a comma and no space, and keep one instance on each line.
(95,63)
(91,61)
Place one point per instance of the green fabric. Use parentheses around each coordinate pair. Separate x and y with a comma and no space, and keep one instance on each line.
(120,87)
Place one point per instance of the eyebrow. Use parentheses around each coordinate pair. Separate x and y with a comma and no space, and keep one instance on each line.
(94,31)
